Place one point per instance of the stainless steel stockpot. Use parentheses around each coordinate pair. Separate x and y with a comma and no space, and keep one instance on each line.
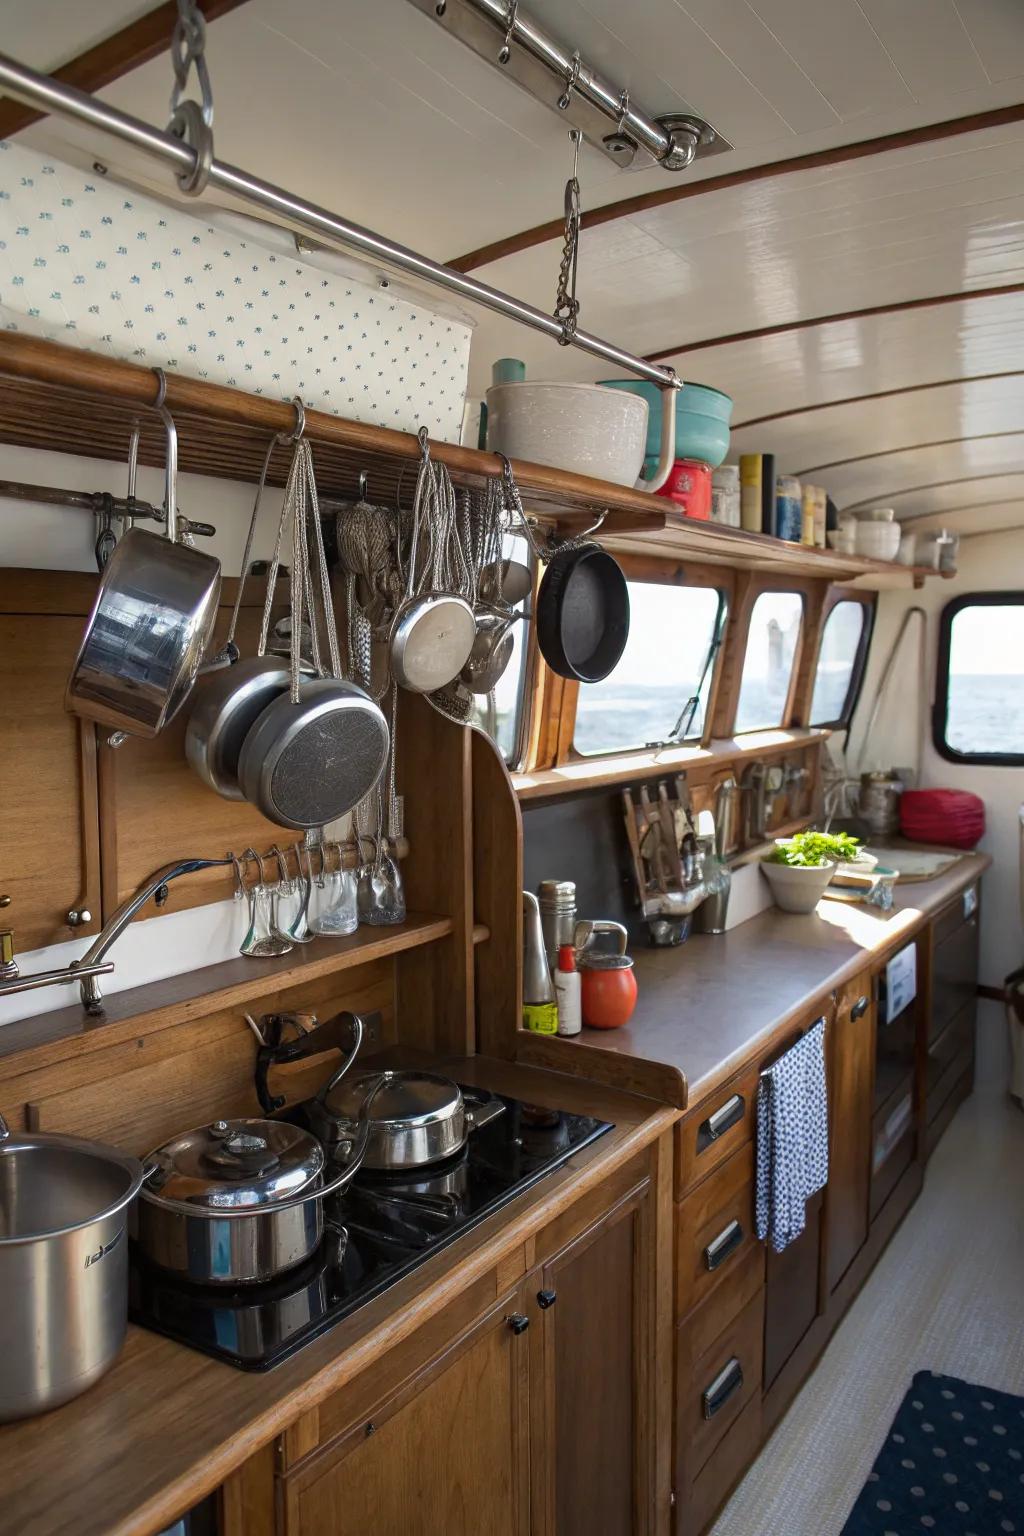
(417,1118)
(63,1266)
(241,1201)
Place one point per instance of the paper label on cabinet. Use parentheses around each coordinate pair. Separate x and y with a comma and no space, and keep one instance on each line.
(900,982)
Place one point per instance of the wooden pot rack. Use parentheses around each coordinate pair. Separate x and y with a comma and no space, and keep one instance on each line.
(66,400)
(70,401)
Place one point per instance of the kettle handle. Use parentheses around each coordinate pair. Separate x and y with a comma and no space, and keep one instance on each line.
(588,927)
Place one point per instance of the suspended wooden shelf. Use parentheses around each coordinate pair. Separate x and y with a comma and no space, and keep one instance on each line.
(684,538)
(69,401)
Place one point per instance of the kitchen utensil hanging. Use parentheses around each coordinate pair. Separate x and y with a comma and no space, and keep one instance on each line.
(583,602)
(317,750)
(150,624)
(229,703)
(434,627)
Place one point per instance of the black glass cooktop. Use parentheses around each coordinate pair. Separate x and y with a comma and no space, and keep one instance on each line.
(378,1230)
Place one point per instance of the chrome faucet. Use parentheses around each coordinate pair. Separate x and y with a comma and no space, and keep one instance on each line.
(92,997)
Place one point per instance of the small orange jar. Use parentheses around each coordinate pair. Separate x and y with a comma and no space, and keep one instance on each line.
(607,990)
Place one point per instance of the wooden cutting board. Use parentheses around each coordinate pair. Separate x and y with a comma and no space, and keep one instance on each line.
(915,863)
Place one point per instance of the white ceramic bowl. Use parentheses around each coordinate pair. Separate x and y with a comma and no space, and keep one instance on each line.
(841,540)
(878,541)
(580,427)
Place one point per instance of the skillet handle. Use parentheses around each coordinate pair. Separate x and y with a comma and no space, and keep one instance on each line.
(358,1031)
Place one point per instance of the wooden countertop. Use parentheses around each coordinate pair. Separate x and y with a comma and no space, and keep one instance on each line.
(167,1425)
(706,1008)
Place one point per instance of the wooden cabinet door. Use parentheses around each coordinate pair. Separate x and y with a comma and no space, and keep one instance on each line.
(592,1321)
(449,1453)
(852,1060)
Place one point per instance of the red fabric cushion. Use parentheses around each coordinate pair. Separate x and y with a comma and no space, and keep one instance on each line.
(953,817)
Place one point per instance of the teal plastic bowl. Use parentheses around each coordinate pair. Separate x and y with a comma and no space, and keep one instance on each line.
(702,419)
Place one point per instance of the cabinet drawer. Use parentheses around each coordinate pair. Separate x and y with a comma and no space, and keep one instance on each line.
(715,1229)
(954,968)
(704,1497)
(957,1037)
(717,1129)
(892,1149)
(958,1067)
(714,1386)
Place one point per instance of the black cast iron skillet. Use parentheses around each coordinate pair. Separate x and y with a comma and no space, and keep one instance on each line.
(583,614)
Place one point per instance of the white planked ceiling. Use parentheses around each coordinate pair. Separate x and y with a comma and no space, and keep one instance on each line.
(373,110)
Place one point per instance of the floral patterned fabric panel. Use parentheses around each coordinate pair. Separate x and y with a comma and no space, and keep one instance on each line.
(92,264)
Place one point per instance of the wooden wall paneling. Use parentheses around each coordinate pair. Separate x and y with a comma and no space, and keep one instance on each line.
(140,1091)
(49,861)
(497,887)
(434,775)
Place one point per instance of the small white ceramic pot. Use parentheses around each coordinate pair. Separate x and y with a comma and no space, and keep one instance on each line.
(797,887)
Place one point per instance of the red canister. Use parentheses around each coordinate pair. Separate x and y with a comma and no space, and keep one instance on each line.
(607,990)
(689,486)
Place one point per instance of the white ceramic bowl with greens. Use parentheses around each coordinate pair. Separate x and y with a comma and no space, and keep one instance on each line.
(798,887)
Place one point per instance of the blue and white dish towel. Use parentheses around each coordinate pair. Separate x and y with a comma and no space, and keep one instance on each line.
(792,1138)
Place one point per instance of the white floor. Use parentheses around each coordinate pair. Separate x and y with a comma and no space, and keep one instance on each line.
(947,1295)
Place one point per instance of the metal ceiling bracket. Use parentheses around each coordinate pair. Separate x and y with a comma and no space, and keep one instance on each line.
(536,60)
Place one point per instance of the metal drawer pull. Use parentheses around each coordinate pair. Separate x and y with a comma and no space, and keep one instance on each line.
(727,1241)
(860,1008)
(727,1115)
(728,1381)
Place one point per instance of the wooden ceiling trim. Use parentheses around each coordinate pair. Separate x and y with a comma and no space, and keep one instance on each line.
(886,453)
(946,512)
(117,55)
(877,394)
(897,306)
(932,485)
(928,133)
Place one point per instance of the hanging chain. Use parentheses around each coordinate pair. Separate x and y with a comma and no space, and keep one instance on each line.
(192,121)
(567,305)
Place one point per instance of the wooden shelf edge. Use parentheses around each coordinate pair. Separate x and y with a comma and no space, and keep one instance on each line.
(562,494)
(714,544)
(595,772)
(192,994)
(481,933)
(576,1057)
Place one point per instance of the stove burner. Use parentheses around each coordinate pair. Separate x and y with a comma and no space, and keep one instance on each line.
(379,1229)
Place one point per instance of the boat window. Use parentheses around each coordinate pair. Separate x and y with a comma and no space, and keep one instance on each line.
(768,662)
(979,694)
(841,657)
(659,690)
(502,713)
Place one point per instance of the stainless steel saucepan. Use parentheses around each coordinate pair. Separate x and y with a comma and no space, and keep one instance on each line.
(416,1118)
(150,624)
(241,1201)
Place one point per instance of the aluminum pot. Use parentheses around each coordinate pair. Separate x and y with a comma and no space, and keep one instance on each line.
(240,1202)
(150,624)
(417,1118)
(63,1266)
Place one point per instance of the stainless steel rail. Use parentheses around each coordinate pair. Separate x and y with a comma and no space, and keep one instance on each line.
(53,97)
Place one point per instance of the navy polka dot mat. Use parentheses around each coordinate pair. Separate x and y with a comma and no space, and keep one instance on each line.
(953,1464)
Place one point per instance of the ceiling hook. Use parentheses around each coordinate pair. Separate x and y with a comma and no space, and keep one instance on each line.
(572,76)
(511,16)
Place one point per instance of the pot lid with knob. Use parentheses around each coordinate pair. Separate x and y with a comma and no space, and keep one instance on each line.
(235,1164)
